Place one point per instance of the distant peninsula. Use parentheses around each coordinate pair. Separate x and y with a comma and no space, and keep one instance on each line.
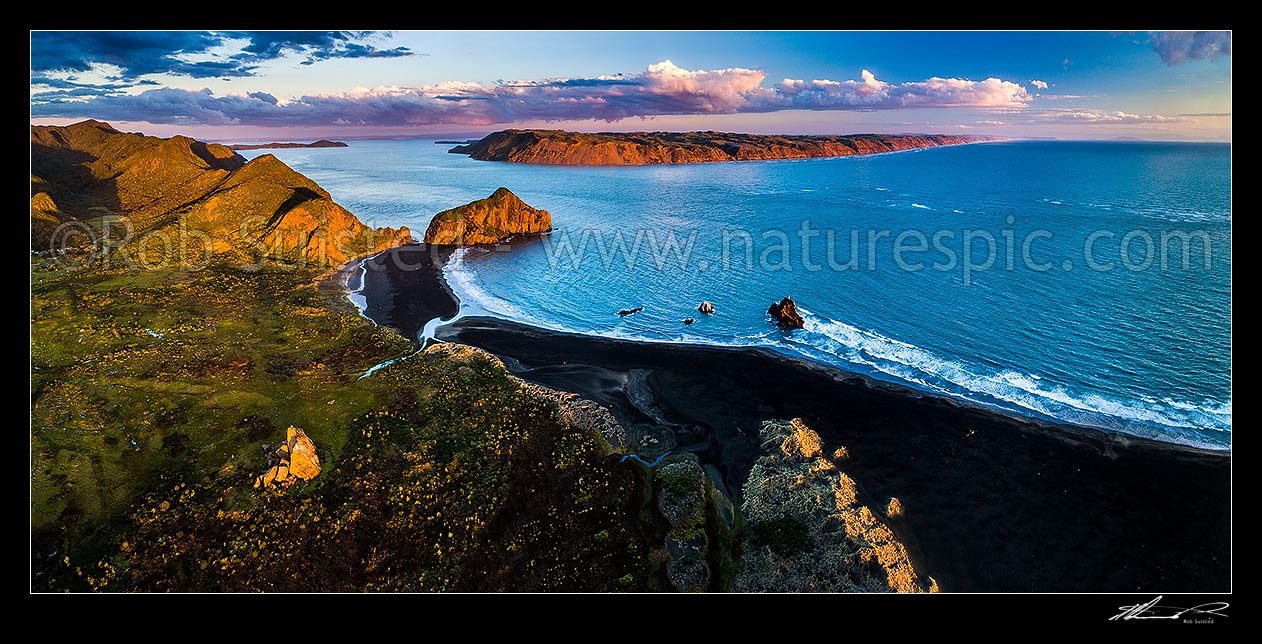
(322,143)
(558,147)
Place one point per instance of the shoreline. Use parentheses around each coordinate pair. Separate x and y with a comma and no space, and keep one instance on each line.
(404,285)
(995,501)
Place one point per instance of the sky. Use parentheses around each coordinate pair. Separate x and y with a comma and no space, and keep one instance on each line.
(235,86)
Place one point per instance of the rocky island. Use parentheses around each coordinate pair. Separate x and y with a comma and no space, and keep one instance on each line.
(558,147)
(322,143)
(487,221)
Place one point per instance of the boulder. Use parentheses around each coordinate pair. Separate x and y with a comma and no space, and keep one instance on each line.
(785,313)
(625,312)
(688,321)
(706,308)
(291,462)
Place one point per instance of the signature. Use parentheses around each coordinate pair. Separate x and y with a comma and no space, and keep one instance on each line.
(1151,610)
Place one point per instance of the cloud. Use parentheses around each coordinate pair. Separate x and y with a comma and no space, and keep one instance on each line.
(74,92)
(1104,117)
(1209,114)
(662,89)
(72,83)
(315,45)
(1039,84)
(137,53)
(873,94)
(263,96)
(192,53)
(1178,47)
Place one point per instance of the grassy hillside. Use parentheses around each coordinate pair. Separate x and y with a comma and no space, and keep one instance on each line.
(152,393)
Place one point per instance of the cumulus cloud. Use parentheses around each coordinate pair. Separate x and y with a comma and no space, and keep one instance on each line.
(1178,47)
(1105,117)
(871,93)
(662,89)
(192,53)
(1039,84)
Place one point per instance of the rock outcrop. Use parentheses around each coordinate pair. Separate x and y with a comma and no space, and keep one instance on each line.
(181,199)
(706,308)
(785,313)
(558,147)
(487,221)
(683,501)
(292,462)
(809,531)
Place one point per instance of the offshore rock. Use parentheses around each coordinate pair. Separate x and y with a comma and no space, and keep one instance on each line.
(487,221)
(785,313)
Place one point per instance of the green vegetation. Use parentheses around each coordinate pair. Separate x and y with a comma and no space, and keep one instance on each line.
(153,391)
(677,484)
(785,536)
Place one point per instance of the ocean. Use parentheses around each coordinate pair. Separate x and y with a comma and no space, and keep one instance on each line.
(1084,282)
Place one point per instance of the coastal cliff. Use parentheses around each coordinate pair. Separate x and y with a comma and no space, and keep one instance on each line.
(180,188)
(809,530)
(558,147)
(487,221)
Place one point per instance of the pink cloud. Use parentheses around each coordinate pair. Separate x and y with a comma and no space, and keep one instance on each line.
(662,89)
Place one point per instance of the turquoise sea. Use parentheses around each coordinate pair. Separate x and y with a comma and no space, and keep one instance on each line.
(1027,276)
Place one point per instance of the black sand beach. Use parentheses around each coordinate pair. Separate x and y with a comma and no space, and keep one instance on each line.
(404,288)
(992,502)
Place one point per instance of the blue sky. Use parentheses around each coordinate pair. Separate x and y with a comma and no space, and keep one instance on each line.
(237,85)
